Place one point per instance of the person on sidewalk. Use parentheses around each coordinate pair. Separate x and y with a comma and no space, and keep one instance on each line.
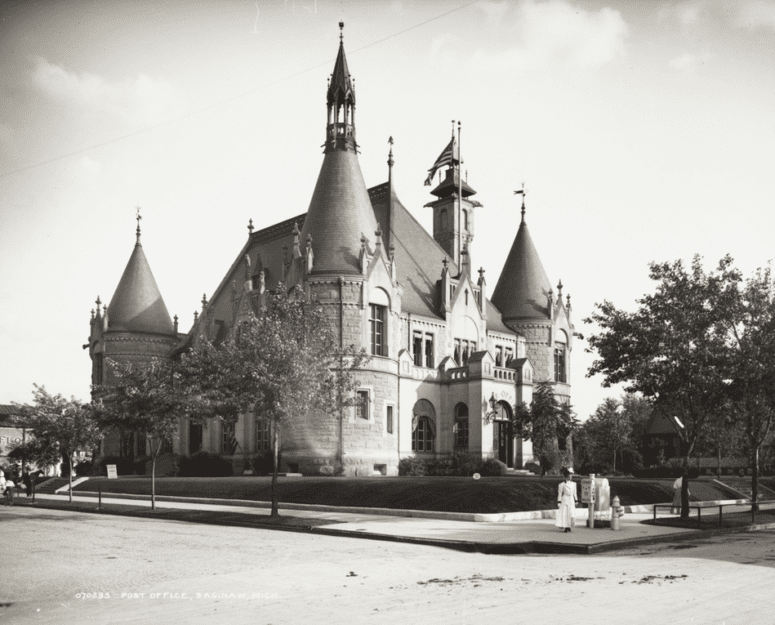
(676,505)
(567,496)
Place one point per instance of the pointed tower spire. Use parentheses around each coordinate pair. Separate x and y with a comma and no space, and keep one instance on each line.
(137,305)
(340,132)
(523,288)
(340,209)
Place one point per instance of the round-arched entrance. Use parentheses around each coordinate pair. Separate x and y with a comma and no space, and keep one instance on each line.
(503,434)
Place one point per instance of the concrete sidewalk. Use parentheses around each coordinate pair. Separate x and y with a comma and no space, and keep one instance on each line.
(534,535)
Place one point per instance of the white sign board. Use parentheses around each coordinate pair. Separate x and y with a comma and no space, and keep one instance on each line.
(112,473)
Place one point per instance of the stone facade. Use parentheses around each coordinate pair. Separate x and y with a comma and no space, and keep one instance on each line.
(453,365)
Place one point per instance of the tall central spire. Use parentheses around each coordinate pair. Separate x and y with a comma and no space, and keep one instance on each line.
(340,212)
(340,131)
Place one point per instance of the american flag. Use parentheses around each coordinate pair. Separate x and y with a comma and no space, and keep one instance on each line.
(447,157)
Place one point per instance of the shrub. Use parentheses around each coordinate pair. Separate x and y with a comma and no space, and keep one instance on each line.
(440,467)
(465,464)
(205,464)
(491,466)
(83,469)
(412,466)
(263,463)
(138,466)
(123,465)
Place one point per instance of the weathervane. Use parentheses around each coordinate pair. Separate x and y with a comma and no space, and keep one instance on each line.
(523,193)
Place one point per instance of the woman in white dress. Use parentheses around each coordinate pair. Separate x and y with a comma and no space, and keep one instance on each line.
(567,496)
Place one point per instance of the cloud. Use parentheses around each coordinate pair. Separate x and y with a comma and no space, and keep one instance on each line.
(757,15)
(688,62)
(557,33)
(686,13)
(141,100)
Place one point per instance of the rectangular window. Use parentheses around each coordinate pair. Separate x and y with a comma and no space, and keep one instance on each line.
(362,405)
(228,440)
(377,323)
(458,355)
(461,433)
(417,347)
(422,439)
(263,435)
(509,356)
(389,419)
(498,356)
(559,364)
(429,360)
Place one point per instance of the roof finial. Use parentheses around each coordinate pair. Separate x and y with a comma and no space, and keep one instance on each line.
(250,226)
(559,289)
(453,128)
(523,193)
(138,217)
(341,32)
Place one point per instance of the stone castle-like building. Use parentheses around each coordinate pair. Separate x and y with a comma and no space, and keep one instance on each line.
(450,360)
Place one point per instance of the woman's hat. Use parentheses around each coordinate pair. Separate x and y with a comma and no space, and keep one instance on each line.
(570,469)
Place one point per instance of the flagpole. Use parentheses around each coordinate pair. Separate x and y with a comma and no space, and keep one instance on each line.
(459,196)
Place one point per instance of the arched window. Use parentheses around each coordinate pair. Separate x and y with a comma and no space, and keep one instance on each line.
(460,429)
(423,426)
(465,220)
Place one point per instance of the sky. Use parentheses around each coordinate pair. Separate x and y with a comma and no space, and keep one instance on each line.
(643,131)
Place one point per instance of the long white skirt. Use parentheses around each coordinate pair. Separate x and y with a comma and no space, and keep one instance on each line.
(566,515)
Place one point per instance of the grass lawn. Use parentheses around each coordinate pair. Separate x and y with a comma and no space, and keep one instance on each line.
(442,494)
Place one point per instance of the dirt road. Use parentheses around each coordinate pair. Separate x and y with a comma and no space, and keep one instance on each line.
(56,564)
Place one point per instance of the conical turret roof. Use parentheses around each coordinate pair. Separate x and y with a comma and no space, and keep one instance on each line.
(137,305)
(523,288)
(339,214)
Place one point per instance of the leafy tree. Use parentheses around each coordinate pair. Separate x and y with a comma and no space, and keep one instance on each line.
(61,428)
(143,398)
(549,424)
(610,429)
(751,383)
(616,429)
(672,348)
(722,436)
(284,363)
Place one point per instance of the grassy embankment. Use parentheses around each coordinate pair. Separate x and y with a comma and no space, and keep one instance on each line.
(444,494)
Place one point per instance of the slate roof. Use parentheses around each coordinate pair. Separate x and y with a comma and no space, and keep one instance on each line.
(523,287)
(339,213)
(137,305)
(418,258)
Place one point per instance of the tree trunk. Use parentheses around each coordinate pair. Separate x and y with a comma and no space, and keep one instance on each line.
(275,439)
(685,489)
(70,476)
(718,463)
(153,474)
(755,480)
